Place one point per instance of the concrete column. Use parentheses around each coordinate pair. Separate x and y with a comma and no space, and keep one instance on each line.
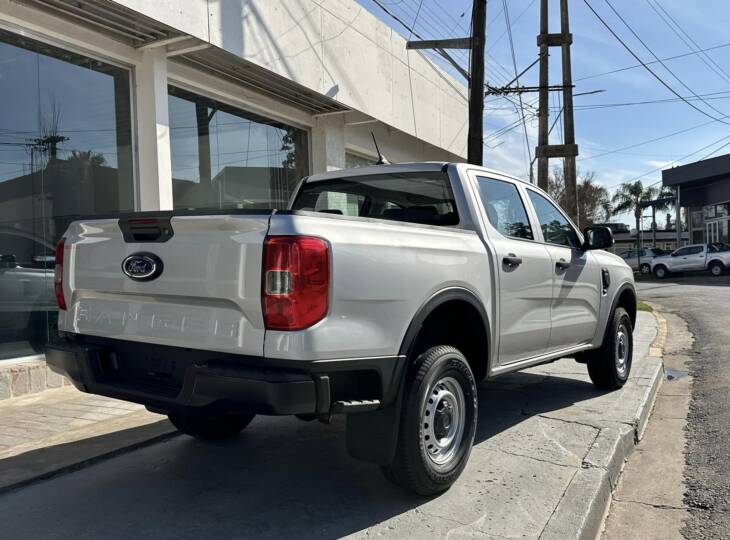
(328,143)
(153,132)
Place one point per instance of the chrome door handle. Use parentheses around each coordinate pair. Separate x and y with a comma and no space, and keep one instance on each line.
(512,260)
(562,264)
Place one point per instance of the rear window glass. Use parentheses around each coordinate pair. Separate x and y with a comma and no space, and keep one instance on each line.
(411,197)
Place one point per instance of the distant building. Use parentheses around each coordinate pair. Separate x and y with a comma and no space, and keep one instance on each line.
(704,191)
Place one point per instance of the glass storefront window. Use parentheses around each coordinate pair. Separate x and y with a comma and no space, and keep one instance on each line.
(223,157)
(65,151)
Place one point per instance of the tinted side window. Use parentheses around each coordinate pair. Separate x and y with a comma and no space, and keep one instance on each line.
(681,252)
(504,208)
(412,197)
(694,250)
(555,228)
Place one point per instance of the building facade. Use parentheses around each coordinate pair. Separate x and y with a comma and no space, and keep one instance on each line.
(131,105)
(703,189)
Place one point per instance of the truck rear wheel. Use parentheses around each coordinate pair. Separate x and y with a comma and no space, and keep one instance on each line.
(210,429)
(716,268)
(610,365)
(438,422)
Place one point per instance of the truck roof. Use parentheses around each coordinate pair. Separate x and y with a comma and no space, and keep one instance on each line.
(417,166)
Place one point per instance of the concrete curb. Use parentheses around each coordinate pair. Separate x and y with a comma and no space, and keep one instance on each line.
(585,503)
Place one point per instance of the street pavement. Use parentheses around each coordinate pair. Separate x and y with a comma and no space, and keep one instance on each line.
(702,301)
(548,450)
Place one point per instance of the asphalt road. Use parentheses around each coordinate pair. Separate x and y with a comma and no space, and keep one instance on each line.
(703,302)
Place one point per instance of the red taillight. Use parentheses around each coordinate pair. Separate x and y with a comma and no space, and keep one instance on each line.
(58,275)
(296,281)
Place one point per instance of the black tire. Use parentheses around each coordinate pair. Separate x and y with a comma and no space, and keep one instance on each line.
(661,271)
(442,371)
(716,268)
(210,429)
(605,367)
(645,269)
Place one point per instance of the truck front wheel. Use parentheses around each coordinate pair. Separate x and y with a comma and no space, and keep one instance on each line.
(210,429)
(610,365)
(438,422)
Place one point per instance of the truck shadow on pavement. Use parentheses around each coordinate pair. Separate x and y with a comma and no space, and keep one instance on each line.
(282,478)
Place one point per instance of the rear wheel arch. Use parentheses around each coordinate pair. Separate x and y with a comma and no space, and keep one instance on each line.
(455,317)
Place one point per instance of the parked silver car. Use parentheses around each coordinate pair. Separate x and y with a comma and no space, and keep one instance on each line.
(640,259)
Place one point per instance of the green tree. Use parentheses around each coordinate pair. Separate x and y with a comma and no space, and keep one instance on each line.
(629,195)
(594,202)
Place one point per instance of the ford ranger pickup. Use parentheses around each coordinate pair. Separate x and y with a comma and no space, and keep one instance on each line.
(714,257)
(384,293)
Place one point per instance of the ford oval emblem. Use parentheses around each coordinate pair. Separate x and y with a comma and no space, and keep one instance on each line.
(142,266)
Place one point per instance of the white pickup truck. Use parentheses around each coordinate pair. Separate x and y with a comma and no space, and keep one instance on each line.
(714,257)
(385,293)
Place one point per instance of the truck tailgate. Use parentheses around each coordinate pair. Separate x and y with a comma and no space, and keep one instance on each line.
(206,297)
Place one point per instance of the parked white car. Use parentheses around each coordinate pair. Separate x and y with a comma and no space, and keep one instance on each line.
(640,259)
(714,257)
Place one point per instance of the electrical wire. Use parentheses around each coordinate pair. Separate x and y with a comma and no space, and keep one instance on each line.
(517,80)
(653,73)
(676,77)
(665,59)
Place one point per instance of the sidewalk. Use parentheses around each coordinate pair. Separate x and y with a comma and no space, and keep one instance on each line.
(548,453)
(43,434)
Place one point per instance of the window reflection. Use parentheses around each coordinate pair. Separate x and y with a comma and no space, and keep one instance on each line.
(223,157)
(65,151)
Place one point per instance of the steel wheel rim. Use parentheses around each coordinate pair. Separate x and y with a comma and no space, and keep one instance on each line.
(622,350)
(442,420)
(645,269)
(715,270)
(660,272)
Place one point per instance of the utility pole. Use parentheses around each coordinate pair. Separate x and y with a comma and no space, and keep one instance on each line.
(569,150)
(542,112)
(475,146)
(475,76)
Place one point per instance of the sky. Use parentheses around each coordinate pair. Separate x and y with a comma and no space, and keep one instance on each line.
(618,142)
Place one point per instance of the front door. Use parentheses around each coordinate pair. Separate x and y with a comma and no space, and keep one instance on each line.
(576,279)
(524,271)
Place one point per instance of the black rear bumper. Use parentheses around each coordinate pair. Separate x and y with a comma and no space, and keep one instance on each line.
(176,379)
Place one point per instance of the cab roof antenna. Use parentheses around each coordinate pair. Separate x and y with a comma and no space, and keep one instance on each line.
(382,160)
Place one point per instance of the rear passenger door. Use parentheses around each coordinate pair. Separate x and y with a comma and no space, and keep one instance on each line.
(523,271)
(576,278)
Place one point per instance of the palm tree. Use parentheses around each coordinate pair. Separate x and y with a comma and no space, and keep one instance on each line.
(629,195)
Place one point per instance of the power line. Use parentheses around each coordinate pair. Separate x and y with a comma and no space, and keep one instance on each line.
(665,59)
(400,21)
(642,143)
(657,77)
(666,165)
(517,79)
(722,73)
(676,77)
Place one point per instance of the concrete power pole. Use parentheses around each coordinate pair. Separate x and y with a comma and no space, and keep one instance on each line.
(568,150)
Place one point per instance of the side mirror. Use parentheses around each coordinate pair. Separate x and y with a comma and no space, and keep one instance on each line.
(597,238)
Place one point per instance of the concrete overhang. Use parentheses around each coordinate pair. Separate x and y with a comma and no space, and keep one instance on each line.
(699,172)
(142,32)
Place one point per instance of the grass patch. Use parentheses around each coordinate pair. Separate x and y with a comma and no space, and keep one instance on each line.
(643,306)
